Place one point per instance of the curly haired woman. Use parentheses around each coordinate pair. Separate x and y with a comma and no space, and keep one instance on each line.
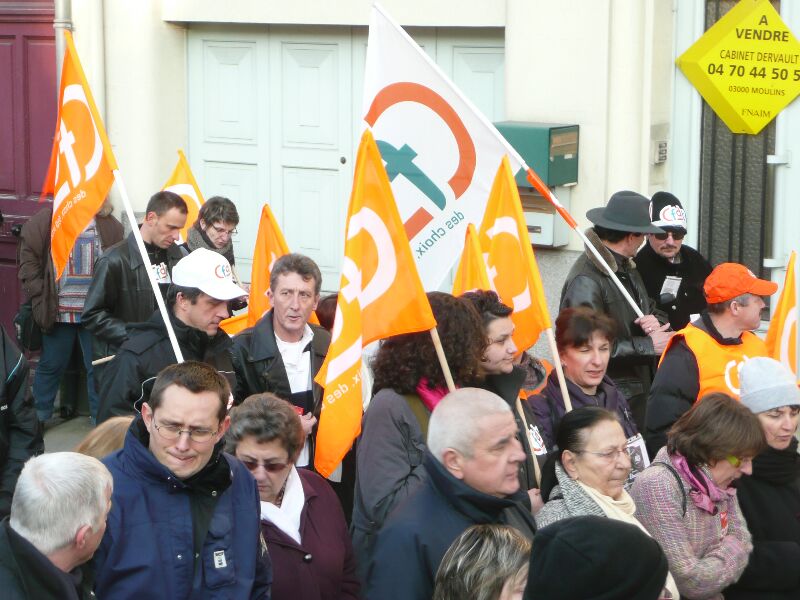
(408,383)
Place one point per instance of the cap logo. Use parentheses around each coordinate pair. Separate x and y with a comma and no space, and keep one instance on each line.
(222,271)
(672,214)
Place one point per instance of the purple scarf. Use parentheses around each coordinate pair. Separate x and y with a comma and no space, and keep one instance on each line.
(704,492)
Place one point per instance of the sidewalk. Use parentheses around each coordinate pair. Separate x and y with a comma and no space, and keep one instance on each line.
(65,436)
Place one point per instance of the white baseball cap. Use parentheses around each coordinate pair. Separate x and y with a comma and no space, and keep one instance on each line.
(208,271)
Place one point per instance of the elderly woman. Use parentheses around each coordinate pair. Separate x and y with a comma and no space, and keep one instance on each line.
(591,467)
(301,519)
(584,338)
(770,497)
(408,384)
(686,501)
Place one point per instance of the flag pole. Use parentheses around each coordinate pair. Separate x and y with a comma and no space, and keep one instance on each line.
(537,470)
(548,194)
(437,344)
(797,320)
(562,383)
(148,265)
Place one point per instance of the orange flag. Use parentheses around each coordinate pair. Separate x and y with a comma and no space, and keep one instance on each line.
(471,274)
(510,263)
(82,166)
(183,183)
(781,337)
(270,246)
(380,295)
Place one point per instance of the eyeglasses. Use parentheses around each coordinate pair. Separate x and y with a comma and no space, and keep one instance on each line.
(223,231)
(269,467)
(676,235)
(737,462)
(174,432)
(609,456)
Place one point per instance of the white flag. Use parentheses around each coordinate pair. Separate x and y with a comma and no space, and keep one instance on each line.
(440,151)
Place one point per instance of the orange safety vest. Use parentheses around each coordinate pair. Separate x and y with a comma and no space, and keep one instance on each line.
(718,364)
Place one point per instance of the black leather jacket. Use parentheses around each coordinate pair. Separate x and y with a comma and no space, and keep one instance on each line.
(131,374)
(633,358)
(120,294)
(259,366)
(20,432)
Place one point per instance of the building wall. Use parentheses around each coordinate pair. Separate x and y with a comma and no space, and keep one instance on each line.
(137,70)
(605,65)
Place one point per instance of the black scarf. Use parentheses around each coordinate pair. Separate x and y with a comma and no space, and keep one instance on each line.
(778,467)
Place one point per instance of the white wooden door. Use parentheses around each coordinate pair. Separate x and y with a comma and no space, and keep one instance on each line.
(275,116)
(311,142)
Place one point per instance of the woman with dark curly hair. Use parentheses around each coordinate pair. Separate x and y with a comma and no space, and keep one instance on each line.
(408,383)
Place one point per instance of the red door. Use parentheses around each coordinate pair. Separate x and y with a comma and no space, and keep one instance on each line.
(27,122)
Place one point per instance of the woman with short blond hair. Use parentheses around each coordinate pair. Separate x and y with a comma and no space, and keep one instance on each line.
(486,562)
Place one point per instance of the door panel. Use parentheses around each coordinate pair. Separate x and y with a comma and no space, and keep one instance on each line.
(28,99)
(311,141)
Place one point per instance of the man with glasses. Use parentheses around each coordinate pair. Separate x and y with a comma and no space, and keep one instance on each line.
(673,273)
(618,232)
(214,230)
(202,285)
(707,355)
(184,521)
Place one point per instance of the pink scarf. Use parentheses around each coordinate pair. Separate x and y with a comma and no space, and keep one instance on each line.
(704,492)
(430,396)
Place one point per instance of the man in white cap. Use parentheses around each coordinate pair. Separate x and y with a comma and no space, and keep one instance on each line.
(673,272)
(202,285)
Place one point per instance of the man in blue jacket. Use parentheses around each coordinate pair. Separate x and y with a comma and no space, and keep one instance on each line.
(472,465)
(184,521)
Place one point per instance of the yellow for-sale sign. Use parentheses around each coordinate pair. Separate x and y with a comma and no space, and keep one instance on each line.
(747,66)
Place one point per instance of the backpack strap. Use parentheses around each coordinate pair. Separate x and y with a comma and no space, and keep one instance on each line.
(420,412)
(672,470)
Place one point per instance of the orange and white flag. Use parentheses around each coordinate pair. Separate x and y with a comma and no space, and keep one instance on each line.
(270,246)
(380,295)
(82,165)
(781,337)
(183,183)
(510,263)
(471,274)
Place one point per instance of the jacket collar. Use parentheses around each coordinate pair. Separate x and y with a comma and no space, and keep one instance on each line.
(187,336)
(604,390)
(262,345)
(476,506)
(706,324)
(608,256)
(216,476)
(506,385)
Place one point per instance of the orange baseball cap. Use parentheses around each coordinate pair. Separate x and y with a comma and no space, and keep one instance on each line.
(729,280)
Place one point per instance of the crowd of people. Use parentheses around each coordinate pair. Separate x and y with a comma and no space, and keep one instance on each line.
(671,470)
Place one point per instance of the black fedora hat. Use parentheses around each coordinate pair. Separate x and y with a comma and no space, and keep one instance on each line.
(626,211)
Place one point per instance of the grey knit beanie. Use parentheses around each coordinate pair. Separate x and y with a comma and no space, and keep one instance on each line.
(766,384)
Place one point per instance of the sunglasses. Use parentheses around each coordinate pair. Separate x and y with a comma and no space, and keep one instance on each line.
(252,465)
(676,235)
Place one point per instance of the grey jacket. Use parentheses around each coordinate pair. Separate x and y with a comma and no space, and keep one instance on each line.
(388,467)
(567,499)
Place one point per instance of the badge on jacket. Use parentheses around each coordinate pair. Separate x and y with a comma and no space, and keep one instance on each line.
(219,559)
